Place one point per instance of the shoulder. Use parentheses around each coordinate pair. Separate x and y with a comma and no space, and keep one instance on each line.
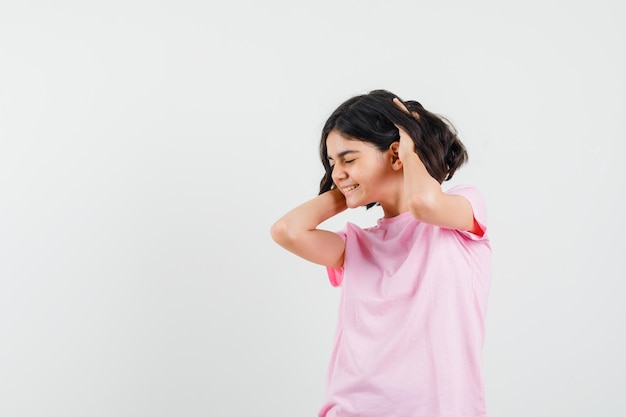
(465,189)
(475,196)
(348,229)
(478,202)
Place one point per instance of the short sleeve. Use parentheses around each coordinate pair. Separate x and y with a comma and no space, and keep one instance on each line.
(479,207)
(335,275)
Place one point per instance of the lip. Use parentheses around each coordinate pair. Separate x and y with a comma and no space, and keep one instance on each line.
(349,188)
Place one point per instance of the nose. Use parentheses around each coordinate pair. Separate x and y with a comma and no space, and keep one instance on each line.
(339,173)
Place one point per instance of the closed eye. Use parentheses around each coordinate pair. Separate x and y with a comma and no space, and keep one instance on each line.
(341,156)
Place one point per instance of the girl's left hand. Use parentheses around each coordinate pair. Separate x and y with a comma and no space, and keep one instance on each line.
(407,146)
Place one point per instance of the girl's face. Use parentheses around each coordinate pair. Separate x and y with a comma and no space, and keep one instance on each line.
(362,172)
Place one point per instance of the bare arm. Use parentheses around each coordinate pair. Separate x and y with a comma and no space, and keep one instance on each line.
(427,201)
(297,230)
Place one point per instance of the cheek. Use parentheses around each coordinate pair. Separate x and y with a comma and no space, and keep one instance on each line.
(376,177)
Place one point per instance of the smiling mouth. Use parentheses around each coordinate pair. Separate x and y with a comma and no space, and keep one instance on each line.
(350,188)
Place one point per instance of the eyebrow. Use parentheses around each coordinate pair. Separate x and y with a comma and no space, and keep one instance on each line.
(343,153)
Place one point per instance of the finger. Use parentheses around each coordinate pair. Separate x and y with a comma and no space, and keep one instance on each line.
(400,105)
(403,133)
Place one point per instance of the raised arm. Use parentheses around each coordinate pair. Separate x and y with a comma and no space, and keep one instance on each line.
(426,200)
(297,230)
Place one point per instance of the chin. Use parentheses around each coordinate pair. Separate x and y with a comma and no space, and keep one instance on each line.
(351,204)
(356,204)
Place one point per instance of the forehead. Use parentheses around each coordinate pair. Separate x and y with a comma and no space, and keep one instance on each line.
(338,144)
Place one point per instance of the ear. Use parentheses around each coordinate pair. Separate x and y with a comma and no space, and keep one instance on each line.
(396,163)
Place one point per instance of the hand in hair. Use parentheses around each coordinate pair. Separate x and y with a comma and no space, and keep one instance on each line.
(402,107)
(407,145)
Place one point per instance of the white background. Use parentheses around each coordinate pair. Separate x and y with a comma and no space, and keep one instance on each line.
(146,147)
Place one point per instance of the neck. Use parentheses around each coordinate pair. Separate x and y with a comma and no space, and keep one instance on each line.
(396,203)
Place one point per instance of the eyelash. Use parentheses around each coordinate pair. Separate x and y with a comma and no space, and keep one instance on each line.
(347,161)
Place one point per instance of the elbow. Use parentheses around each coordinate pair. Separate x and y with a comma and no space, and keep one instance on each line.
(422,205)
(281,232)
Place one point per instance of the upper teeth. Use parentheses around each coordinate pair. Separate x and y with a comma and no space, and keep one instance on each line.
(350,187)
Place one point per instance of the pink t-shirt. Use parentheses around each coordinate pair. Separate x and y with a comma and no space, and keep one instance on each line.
(411,322)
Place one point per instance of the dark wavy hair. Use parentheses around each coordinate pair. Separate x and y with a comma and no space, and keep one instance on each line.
(373,118)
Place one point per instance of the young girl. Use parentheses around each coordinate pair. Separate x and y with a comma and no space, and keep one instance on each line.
(411,321)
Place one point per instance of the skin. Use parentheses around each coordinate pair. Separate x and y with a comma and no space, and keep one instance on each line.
(395,178)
